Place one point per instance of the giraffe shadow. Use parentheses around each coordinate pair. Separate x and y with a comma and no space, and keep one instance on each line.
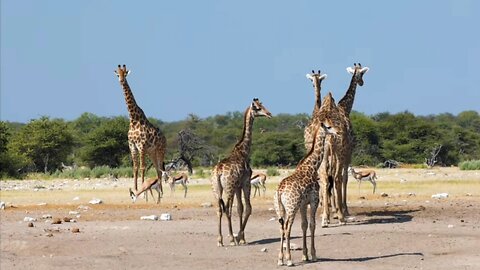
(363,259)
(270,240)
(385,217)
(277,239)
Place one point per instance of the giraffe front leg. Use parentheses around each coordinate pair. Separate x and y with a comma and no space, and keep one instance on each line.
(142,167)
(325,199)
(134,154)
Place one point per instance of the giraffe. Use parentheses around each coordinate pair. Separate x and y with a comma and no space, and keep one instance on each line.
(143,137)
(345,146)
(232,176)
(301,188)
(316,79)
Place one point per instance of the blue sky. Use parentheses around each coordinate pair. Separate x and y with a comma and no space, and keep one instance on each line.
(213,57)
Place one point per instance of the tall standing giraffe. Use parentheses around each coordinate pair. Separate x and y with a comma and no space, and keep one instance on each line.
(143,137)
(301,189)
(345,147)
(316,79)
(232,176)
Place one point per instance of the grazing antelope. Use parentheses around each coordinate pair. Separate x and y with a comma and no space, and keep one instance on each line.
(258,181)
(369,175)
(180,179)
(149,184)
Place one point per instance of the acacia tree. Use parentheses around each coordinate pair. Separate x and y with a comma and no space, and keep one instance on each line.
(189,146)
(107,144)
(44,142)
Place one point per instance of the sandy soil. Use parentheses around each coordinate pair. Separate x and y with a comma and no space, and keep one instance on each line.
(405,229)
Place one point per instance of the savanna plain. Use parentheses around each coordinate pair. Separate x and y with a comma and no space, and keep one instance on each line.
(399,227)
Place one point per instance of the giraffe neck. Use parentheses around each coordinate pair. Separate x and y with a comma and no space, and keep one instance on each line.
(318,96)
(314,157)
(134,111)
(347,101)
(244,144)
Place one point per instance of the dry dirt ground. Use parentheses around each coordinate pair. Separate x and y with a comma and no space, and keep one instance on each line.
(407,229)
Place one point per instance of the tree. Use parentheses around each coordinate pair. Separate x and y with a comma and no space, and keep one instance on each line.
(44,142)
(366,149)
(189,147)
(107,144)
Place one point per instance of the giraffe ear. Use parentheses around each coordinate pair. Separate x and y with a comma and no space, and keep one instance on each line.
(309,76)
(364,70)
(350,70)
(323,77)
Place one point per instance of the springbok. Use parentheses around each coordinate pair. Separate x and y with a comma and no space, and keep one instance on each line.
(368,175)
(180,179)
(149,184)
(258,181)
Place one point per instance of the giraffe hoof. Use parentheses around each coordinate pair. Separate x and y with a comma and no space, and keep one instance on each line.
(219,245)
(289,263)
(305,258)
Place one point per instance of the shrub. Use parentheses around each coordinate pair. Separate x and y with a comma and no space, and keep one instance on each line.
(272,171)
(100,171)
(469,165)
(201,173)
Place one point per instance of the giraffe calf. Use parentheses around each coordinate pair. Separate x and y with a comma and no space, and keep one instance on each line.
(149,184)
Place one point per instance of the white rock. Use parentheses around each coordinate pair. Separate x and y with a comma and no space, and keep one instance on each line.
(151,217)
(95,201)
(450,226)
(272,219)
(73,213)
(440,196)
(29,219)
(42,204)
(47,216)
(2,205)
(263,250)
(165,217)
(76,198)
(271,209)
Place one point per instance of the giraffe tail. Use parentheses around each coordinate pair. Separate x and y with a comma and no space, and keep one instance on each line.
(222,205)
(280,208)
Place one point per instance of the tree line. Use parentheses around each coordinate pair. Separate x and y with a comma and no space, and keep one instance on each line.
(47,145)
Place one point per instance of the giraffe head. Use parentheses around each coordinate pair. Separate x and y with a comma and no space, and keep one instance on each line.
(357,71)
(257,109)
(316,78)
(122,72)
(329,116)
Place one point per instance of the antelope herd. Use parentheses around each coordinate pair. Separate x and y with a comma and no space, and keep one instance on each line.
(320,177)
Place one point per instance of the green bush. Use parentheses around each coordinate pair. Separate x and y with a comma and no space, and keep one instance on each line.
(469,165)
(202,173)
(100,171)
(272,171)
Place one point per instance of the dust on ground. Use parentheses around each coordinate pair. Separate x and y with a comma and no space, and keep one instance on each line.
(403,229)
